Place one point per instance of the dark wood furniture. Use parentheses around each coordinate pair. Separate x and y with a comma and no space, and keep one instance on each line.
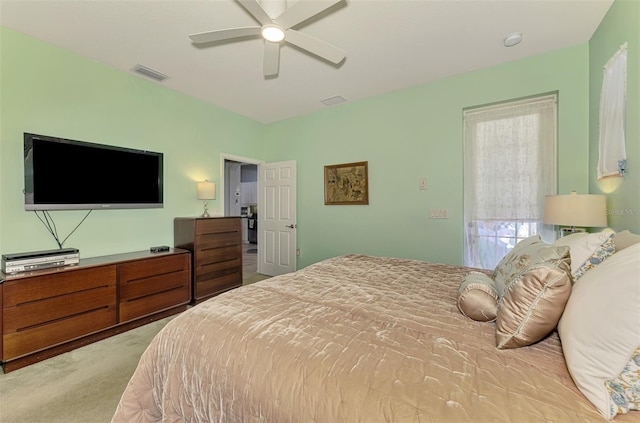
(216,250)
(48,312)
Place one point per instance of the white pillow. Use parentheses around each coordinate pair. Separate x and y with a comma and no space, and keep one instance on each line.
(587,250)
(626,239)
(600,327)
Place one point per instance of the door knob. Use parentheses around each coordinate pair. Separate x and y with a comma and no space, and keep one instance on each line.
(291,226)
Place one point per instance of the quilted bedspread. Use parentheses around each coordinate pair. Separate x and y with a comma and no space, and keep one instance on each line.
(351,339)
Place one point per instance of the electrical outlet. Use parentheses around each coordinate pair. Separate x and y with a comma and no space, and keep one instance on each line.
(422,183)
(438,213)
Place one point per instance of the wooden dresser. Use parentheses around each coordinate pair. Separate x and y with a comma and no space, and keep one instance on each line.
(216,250)
(51,311)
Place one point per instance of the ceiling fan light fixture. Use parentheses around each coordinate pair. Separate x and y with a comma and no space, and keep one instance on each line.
(272,33)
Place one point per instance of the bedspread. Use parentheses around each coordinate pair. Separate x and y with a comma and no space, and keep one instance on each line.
(351,339)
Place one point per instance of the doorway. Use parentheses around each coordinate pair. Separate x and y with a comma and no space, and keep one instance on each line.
(240,197)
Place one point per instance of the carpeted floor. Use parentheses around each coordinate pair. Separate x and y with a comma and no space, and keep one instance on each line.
(81,386)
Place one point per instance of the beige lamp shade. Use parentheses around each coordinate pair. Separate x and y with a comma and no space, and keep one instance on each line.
(206,190)
(583,210)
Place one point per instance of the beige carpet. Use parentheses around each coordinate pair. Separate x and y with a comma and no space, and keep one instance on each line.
(81,386)
(254,279)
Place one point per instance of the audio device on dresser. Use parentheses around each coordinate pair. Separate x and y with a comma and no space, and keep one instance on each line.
(36,260)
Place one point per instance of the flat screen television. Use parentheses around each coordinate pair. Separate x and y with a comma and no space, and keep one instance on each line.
(63,174)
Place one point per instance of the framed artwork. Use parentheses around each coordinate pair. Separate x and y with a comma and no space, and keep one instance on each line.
(346,183)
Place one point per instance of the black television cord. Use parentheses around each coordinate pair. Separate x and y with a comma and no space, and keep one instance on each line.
(47,221)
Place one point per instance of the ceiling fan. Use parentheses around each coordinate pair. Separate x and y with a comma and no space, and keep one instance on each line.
(278,30)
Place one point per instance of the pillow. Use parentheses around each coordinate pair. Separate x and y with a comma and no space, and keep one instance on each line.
(599,328)
(624,390)
(626,239)
(477,297)
(588,250)
(533,302)
(527,252)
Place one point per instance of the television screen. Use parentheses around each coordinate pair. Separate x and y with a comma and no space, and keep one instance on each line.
(64,174)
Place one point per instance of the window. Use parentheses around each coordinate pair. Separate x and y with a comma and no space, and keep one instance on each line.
(612,157)
(509,167)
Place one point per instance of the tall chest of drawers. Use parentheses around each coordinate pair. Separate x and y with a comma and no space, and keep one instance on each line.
(216,250)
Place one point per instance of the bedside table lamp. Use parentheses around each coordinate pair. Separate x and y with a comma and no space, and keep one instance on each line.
(206,191)
(583,210)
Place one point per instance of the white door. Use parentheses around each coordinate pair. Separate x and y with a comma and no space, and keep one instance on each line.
(277,218)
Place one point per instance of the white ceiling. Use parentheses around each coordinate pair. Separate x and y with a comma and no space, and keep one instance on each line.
(390,44)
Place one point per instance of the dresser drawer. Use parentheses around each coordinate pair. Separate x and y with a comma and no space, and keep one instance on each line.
(37,313)
(35,325)
(215,255)
(152,285)
(37,338)
(207,241)
(57,284)
(224,282)
(216,226)
(216,270)
(144,269)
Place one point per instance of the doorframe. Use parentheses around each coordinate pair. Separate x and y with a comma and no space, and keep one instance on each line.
(241,159)
(223,194)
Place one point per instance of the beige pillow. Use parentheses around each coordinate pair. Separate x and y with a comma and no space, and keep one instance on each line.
(625,239)
(600,328)
(477,297)
(533,301)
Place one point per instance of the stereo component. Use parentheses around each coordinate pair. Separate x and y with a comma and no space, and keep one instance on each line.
(36,260)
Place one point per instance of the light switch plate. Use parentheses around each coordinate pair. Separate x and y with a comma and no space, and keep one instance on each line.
(438,214)
(422,183)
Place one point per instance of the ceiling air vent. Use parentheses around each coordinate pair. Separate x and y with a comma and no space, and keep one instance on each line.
(331,101)
(149,73)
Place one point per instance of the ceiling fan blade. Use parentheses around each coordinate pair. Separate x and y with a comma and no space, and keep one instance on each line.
(315,46)
(256,10)
(271,58)
(302,10)
(225,34)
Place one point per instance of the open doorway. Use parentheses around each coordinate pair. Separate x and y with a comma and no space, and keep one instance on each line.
(240,197)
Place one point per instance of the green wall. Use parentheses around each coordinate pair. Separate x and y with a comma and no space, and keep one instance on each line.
(417,133)
(620,25)
(406,135)
(50,91)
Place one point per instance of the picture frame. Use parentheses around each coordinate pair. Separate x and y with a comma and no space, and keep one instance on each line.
(346,184)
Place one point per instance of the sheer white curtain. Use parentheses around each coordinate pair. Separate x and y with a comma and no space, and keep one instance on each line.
(510,166)
(612,158)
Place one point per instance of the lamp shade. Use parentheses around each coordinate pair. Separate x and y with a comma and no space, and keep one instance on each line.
(206,190)
(584,210)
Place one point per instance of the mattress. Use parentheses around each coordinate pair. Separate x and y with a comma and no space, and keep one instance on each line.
(350,339)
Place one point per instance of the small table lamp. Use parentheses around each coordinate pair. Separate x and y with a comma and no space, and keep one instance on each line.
(206,191)
(584,210)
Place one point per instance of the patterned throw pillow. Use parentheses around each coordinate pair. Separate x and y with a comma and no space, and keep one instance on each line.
(599,255)
(588,250)
(625,389)
(477,297)
(526,253)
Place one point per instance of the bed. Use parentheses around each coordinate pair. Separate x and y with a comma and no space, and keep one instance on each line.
(353,338)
